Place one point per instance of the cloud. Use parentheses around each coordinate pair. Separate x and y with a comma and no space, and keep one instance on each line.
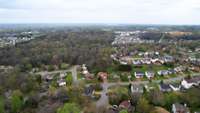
(101,11)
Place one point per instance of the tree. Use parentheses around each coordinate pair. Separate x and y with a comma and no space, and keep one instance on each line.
(135,98)
(171,98)
(64,66)
(16,101)
(50,68)
(119,94)
(143,106)
(38,78)
(156,97)
(69,79)
(69,108)
(192,96)
(123,111)
(2,109)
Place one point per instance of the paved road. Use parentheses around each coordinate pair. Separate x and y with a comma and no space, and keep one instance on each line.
(73,70)
(74,74)
(103,102)
(169,80)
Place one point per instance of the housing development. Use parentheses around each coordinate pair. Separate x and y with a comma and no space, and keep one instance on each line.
(100,69)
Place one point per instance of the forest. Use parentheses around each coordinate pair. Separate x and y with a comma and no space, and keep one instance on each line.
(90,47)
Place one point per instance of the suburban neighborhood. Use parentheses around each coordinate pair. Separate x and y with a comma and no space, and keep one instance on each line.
(75,71)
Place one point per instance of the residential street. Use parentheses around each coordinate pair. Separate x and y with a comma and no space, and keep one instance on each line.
(170,80)
(73,70)
(103,101)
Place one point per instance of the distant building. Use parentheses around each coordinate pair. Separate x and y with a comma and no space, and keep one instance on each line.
(62,75)
(164,87)
(136,88)
(139,74)
(163,72)
(61,82)
(175,87)
(84,69)
(48,78)
(188,83)
(149,74)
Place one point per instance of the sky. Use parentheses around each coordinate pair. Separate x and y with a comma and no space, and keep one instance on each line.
(176,12)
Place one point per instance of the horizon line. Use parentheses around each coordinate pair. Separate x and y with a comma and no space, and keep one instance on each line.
(93,23)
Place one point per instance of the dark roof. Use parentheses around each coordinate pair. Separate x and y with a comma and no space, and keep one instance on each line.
(193,79)
(175,85)
(164,86)
(140,73)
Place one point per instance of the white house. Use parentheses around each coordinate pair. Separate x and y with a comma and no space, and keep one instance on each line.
(139,74)
(62,75)
(188,83)
(175,87)
(149,74)
(61,82)
(163,72)
(136,88)
(84,69)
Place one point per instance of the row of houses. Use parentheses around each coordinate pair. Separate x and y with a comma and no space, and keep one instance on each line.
(126,104)
(159,60)
(184,84)
(130,37)
(141,61)
(60,79)
(151,74)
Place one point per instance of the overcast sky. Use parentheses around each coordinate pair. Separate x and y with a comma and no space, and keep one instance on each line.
(100,11)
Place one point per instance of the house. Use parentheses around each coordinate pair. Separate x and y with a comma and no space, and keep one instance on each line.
(123,62)
(179,69)
(168,58)
(61,82)
(139,74)
(149,74)
(179,108)
(149,87)
(126,104)
(163,72)
(84,69)
(136,62)
(89,91)
(171,71)
(164,87)
(48,78)
(175,87)
(157,61)
(102,76)
(63,75)
(188,83)
(146,61)
(136,88)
